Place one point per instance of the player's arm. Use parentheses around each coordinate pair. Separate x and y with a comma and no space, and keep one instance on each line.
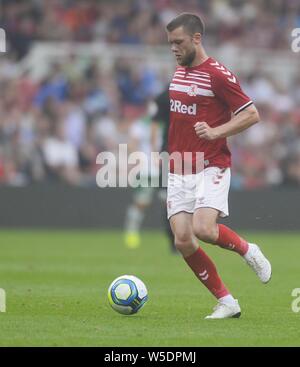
(227,89)
(240,122)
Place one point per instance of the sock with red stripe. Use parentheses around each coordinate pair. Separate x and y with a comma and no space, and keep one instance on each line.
(206,272)
(230,240)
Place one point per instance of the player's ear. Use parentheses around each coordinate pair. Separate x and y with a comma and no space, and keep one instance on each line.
(197,38)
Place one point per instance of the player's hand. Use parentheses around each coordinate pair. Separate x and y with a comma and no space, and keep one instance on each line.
(204,131)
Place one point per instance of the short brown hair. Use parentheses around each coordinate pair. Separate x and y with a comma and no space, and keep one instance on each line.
(191,23)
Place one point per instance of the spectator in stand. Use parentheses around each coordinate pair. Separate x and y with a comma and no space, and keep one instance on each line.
(96,105)
(61,157)
(291,169)
(265,24)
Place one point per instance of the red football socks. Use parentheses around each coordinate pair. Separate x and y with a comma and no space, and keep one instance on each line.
(206,272)
(230,240)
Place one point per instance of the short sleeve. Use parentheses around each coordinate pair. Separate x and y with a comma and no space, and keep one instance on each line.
(227,87)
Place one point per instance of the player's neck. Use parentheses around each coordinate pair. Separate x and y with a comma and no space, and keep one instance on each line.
(200,58)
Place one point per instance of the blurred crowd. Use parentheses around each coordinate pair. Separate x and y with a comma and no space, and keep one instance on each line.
(54,128)
(256,23)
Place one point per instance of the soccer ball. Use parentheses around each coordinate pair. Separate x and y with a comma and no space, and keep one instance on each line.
(127,294)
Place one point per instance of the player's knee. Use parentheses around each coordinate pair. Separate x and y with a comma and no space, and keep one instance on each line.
(205,232)
(183,241)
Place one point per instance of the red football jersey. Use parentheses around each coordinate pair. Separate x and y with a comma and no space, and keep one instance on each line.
(208,92)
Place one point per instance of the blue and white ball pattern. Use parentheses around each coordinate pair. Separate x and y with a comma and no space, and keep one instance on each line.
(127,294)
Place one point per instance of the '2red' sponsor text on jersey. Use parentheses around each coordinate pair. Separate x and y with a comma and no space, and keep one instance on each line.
(208,92)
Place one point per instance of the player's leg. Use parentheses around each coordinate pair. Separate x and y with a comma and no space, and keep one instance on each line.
(133,219)
(207,229)
(181,203)
(202,265)
(170,235)
(214,204)
(135,214)
(162,195)
(252,254)
(185,241)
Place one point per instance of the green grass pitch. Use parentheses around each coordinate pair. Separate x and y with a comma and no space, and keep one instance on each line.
(56,288)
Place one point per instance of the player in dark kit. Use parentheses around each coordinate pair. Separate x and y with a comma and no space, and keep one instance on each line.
(153,131)
(207,105)
(160,119)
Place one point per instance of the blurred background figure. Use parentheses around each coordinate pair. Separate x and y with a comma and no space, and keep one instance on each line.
(61,158)
(149,134)
(291,169)
(140,141)
(160,113)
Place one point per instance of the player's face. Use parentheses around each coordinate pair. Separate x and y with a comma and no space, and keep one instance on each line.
(183,46)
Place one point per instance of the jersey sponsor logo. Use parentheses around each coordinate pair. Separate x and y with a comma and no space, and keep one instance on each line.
(177,106)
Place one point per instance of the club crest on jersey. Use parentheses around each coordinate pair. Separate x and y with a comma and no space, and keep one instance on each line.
(192,91)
